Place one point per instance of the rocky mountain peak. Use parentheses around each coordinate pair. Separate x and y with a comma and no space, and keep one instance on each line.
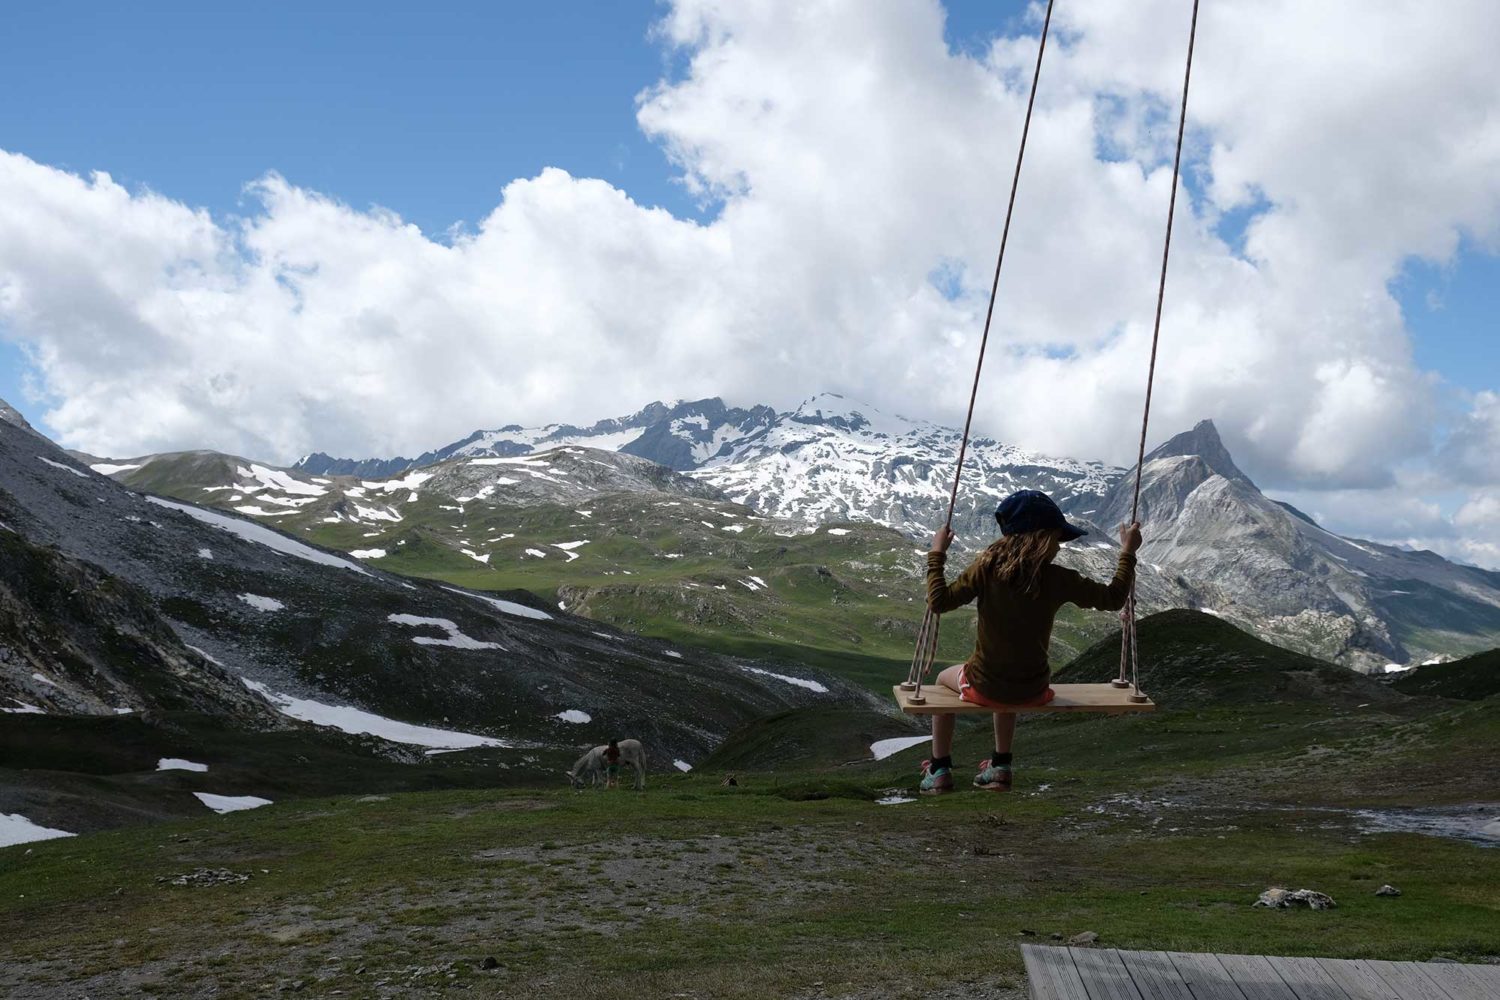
(12,416)
(832,410)
(1201,442)
(1171,472)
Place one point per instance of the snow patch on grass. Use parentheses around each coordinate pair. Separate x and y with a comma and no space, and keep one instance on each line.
(410,482)
(357,721)
(17,829)
(881,749)
(368,553)
(682,765)
(222,804)
(575,716)
(801,682)
(568,548)
(375,514)
(178,764)
(108,469)
(275,479)
(255,511)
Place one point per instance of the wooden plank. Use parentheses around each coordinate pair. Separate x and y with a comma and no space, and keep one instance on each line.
(1256,978)
(1052,974)
(1104,698)
(1107,974)
(1461,982)
(1206,976)
(1358,980)
(1306,978)
(1407,979)
(1104,975)
(1155,975)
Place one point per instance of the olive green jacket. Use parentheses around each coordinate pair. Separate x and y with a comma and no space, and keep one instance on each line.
(1009,662)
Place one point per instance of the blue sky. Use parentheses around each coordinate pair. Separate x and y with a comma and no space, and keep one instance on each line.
(430,112)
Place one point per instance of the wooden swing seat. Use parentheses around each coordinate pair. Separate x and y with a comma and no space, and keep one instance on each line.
(1103,698)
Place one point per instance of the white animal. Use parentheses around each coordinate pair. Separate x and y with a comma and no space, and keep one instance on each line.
(590,768)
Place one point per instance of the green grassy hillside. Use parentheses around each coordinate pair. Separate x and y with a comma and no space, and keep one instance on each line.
(807,739)
(683,568)
(1471,678)
(1195,658)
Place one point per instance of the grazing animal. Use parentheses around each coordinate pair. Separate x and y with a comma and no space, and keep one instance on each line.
(589,769)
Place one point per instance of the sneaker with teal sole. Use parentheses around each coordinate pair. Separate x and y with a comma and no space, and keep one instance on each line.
(992,778)
(938,782)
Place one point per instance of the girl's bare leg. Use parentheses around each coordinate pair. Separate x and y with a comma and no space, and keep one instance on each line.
(942,735)
(1005,731)
(942,725)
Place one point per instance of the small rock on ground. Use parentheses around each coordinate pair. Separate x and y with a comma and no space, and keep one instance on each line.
(1277,897)
(206,876)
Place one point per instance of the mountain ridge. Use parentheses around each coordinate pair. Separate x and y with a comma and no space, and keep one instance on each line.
(309,633)
(1214,541)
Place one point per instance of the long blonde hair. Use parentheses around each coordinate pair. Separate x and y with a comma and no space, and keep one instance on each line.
(1017,560)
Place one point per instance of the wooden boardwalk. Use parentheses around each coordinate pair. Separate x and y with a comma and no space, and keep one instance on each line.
(1107,974)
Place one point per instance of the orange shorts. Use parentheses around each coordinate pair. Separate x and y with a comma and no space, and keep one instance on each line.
(967,692)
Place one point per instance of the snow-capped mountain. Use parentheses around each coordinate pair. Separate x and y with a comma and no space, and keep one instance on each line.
(832,459)
(678,435)
(1214,540)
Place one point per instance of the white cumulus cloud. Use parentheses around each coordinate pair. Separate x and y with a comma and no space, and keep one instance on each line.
(856,171)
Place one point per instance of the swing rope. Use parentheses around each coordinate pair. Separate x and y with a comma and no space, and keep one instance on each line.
(927,636)
(1129,654)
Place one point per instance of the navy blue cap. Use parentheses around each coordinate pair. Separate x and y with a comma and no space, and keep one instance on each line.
(1033,510)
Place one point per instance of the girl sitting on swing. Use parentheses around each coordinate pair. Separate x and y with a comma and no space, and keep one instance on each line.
(1019,591)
